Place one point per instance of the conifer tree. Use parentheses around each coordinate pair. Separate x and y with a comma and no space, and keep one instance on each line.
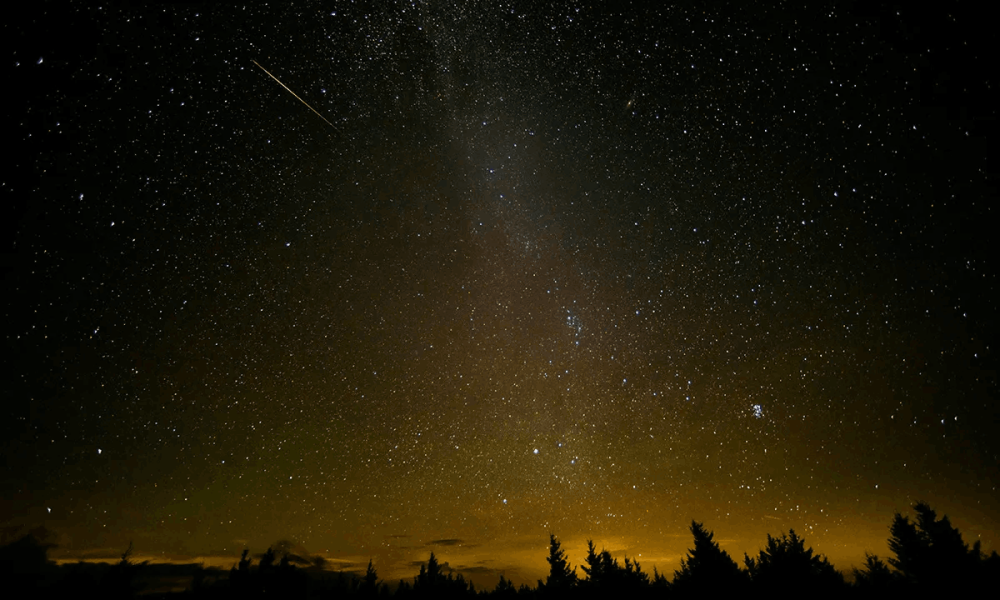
(369,585)
(504,589)
(560,578)
(594,567)
(930,552)
(635,578)
(431,580)
(707,566)
(787,562)
(874,577)
(660,582)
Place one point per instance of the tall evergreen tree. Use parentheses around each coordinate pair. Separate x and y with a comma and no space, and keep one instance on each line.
(239,579)
(875,578)
(267,561)
(786,562)
(504,589)
(369,585)
(606,576)
(635,579)
(708,568)
(594,567)
(431,581)
(660,582)
(561,578)
(930,552)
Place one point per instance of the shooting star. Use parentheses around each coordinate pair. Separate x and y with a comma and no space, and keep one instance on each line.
(293,93)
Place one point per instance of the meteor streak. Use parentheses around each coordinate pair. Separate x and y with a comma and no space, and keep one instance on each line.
(293,93)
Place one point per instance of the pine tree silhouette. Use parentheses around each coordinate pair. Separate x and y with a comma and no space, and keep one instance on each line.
(120,580)
(594,567)
(267,561)
(288,580)
(239,579)
(660,582)
(404,589)
(931,553)
(504,589)
(875,578)
(606,576)
(787,563)
(369,585)
(635,580)
(707,567)
(25,564)
(561,579)
(430,582)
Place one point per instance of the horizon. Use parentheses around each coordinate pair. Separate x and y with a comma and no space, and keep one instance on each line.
(466,557)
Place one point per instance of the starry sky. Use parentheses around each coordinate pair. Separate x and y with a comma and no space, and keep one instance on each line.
(377,279)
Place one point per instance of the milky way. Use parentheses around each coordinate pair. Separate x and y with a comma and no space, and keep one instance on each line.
(556,268)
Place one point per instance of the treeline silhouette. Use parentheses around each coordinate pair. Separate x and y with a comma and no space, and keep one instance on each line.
(928,558)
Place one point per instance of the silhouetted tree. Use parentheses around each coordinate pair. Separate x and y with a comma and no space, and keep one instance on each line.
(433,569)
(786,563)
(267,561)
(605,575)
(25,565)
(875,578)
(262,582)
(707,567)
(25,560)
(989,569)
(504,589)
(561,578)
(239,579)
(594,567)
(931,553)
(430,582)
(634,579)
(120,580)
(457,587)
(288,580)
(369,585)
(404,589)
(660,584)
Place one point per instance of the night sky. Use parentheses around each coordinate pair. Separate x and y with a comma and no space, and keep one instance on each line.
(517,268)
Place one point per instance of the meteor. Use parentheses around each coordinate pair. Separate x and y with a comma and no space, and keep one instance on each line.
(293,93)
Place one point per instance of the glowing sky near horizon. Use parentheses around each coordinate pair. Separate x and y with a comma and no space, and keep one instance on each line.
(555,268)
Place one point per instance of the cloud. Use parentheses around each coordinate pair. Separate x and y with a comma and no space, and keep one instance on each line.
(298,555)
(480,570)
(448,542)
(340,564)
(41,533)
(451,542)
(301,560)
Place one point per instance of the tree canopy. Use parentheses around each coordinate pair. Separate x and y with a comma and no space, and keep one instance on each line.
(928,557)
(707,567)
